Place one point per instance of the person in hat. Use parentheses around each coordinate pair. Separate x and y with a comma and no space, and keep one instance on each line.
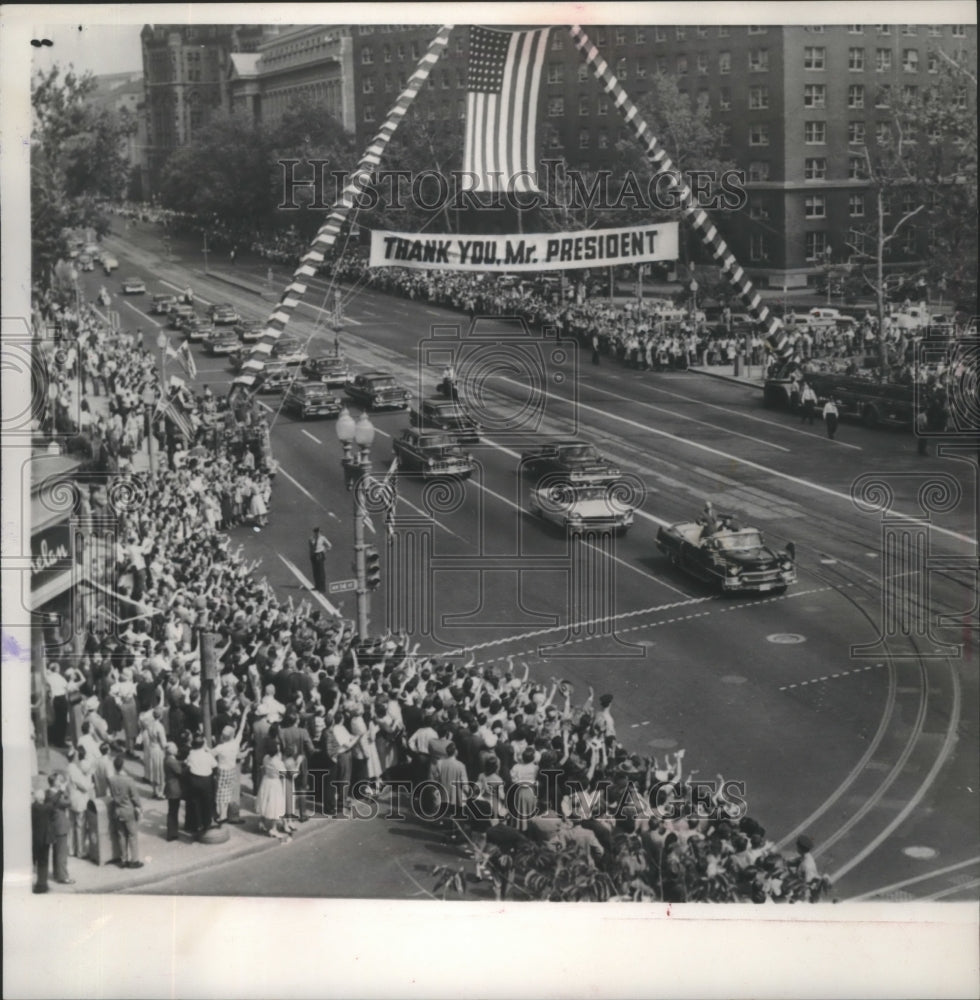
(319,544)
(127,810)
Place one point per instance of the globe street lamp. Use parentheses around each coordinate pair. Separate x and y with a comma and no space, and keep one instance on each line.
(357,468)
(149,398)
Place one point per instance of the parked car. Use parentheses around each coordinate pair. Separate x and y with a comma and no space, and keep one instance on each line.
(224,313)
(134,286)
(160,305)
(571,459)
(432,454)
(220,342)
(196,328)
(578,508)
(331,369)
(731,558)
(311,399)
(273,378)
(446,415)
(179,314)
(377,391)
(250,331)
(289,351)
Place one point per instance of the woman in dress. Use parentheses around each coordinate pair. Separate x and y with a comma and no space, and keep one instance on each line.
(389,736)
(270,803)
(370,744)
(227,753)
(154,749)
(124,693)
(524,775)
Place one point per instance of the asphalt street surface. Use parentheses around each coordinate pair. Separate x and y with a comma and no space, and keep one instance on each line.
(872,752)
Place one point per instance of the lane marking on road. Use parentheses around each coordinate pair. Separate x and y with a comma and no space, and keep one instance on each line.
(943,893)
(177,288)
(798,480)
(146,316)
(694,420)
(312,437)
(591,545)
(308,584)
(912,881)
(817,680)
(329,312)
(751,416)
(299,486)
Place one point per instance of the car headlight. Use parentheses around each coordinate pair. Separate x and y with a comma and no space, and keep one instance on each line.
(733,571)
(787,565)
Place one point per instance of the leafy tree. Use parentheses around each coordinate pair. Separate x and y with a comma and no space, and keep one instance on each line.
(77,163)
(921,171)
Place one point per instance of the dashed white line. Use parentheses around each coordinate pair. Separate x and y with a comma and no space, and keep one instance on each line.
(295,570)
(312,437)
(146,316)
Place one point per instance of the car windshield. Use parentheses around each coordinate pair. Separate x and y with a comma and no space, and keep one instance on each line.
(577,452)
(287,346)
(590,493)
(446,410)
(314,391)
(737,541)
(382,383)
(437,442)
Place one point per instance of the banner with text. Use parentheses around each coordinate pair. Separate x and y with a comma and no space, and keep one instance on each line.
(526,252)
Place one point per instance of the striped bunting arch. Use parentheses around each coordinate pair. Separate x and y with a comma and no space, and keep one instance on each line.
(358,182)
(662,163)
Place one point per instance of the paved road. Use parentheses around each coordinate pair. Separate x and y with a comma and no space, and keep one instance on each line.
(864,753)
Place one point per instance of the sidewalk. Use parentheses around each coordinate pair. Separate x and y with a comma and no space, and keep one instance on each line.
(750,375)
(162,858)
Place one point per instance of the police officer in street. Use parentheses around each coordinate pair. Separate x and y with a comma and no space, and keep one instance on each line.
(319,544)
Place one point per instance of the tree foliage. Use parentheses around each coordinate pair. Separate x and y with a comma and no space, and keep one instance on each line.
(77,163)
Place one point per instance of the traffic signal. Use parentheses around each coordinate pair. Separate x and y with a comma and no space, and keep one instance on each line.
(372,567)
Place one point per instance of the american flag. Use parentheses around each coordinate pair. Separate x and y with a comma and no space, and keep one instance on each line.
(187,359)
(503,78)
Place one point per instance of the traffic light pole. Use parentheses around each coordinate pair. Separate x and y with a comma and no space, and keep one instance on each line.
(360,468)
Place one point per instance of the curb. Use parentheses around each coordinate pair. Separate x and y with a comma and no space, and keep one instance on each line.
(238,283)
(735,380)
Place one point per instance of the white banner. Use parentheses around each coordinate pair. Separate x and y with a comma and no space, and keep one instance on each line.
(526,252)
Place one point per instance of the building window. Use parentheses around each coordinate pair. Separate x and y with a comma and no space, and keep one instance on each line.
(400,51)
(603,142)
(367,56)
(603,107)
(814,133)
(758,98)
(961,98)
(758,29)
(556,107)
(369,112)
(758,170)
(856,168)
(884,29)
(855,96)
(387,53)
(682,65)
(679,33)
(583,72)
(814,95)
(759,61)
(883,97)
(444,80)
(855,60)
(910,60)
(641,70)
(367,85)
(815,29)
(724,31)
(882,133)
(816,245)
(556,41)
(725,137)
(704,101)
(583,105)
(640,37)
(909,240)
(663,66)
(910,93)
(758,248)
(935,31)
(883,60)
(660,34)
(910,29)
(855,133)
(556,72)
(584,139)
(389,83)
(703,63)
(725,99)
(855,206)
(758,135)
(814,168)
(620,36)
(815,206)
(758,212)
(814,57)
(724,62)
(959,31)
(933,62)
(416,50)
(855,29)
(621,71)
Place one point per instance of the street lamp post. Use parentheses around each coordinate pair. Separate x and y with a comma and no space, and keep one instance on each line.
(162,341)
(148,401)
(357,469)
(828,257)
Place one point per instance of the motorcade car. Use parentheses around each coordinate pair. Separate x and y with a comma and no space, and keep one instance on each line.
(311,399)
(85,262)
(250,331)
(377,391)
(109,263)
(196,328)
(432,454)
(161,304)
(570,459)
(331,369)
(275,377)
(289,350)
(446,415)
(220,342)
(179,314)
(133,286)
(223,313)
(728,556)
(582,507)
